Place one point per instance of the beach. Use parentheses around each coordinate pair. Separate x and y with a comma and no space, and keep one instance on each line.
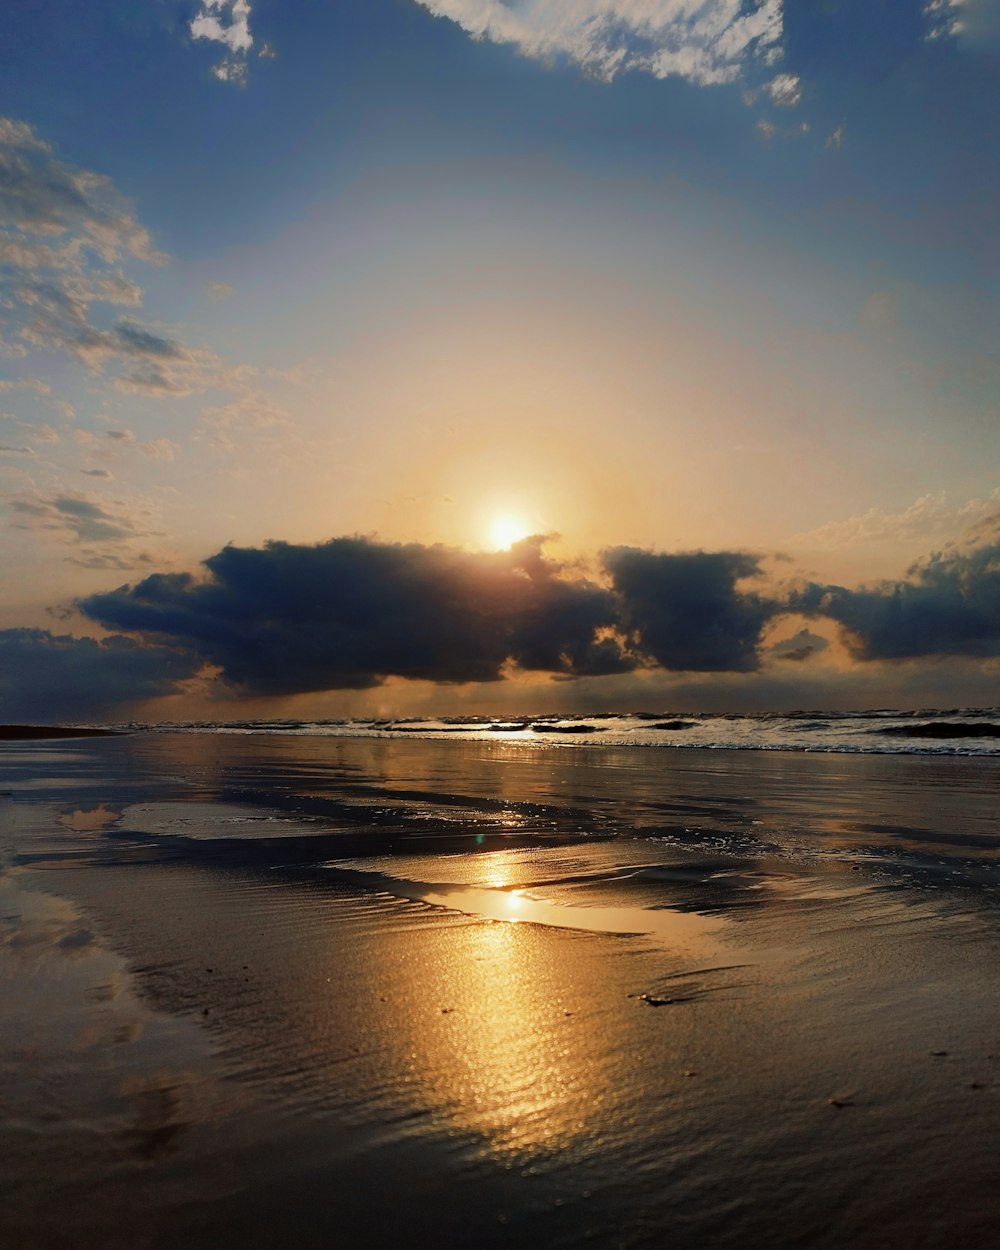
(273,988)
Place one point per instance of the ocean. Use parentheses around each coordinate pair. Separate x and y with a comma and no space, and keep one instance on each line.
(956,731)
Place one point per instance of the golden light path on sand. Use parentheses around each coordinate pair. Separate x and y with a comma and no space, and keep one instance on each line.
(499,1052)
(494,902)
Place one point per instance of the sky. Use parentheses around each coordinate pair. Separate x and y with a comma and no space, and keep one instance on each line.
(396,357)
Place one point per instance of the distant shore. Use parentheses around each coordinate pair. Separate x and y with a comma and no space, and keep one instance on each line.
(10,733)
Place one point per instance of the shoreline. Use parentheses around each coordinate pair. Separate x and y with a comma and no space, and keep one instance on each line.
(953,733)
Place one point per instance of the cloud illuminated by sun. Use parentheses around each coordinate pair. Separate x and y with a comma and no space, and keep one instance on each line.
(507,529)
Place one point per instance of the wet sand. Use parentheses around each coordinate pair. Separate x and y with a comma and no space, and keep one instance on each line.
(346,993)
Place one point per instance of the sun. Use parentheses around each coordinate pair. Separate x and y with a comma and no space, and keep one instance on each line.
(506,530)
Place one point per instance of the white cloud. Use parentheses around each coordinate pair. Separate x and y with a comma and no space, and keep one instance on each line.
(974,23)
(928,520)
(942,18)
(233,70)
(219,291)
(226,22)
(703,41)
(785,90)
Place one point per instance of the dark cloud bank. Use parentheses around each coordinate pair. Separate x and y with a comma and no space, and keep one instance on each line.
(55,677)
(949,605)
(346,614)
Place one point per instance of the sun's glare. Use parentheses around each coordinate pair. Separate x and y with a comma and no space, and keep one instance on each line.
(506,530)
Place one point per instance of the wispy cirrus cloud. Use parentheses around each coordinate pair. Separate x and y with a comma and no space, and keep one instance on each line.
(702,41)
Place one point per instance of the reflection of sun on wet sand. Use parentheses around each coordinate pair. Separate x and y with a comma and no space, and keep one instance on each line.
(689,930)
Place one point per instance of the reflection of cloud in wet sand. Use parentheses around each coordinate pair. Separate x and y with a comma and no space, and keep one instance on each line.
(85,819)
(70,1010)
(36,926)
(157,1113)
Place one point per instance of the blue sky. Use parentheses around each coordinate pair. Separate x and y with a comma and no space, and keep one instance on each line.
(670,275)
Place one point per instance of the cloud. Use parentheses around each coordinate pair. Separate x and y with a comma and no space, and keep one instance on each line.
(225,424)
(686,611)
(82,516)
(350,612)
(703,41)
(836,138)
(53,212)
(785,90)
(928,520)
(100,534)
(800,647)
(25,384)
(67,236)
(971,23)
(34,432)
(123,442)
(219,291)
(159,449)
(948,605)
(136,341)
(226,22)
(45,676)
